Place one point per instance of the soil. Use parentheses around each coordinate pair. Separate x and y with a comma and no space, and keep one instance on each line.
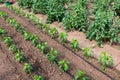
(38,60)
(110,71)
(9,68)
(65,53)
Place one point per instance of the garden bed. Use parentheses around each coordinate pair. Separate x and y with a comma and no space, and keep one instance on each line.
(113,50)
(76,61)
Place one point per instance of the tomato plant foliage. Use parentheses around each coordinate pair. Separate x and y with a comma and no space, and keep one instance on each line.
(25,3)
(77,18)
(102,29)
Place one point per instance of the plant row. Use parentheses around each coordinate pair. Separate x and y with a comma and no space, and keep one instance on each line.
(105,26)
(51,54)
(63,38)
(75,16)
(54,9)
(18,54)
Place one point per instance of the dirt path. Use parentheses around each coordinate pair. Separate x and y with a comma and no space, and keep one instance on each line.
(39,61)
(77,62)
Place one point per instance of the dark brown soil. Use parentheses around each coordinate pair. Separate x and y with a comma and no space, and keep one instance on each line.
(9,68)
(76,62)
(38,60)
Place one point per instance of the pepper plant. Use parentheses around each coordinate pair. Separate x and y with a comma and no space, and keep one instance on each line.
(2,32)
(52,54)
(53,32)
(3,15)
(81,75)
(63,37)
(27,35)
(19,56)
(63,65)
(7,40)
(74,44)
(34,39)
(28,68)
(37,77)
(42,46)
(13,47)
(46,28)
(87,52)
(105,60)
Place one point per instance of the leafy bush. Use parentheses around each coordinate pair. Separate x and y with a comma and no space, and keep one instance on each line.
(117,6)
(25,3)
(39,6)
(77,18)
(101,5)
(102,29)
(55,10)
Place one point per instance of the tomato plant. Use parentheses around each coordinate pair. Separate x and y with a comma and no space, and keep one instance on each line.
(117,6)
(102,29)
(77,17)
(39,6)
(55,11)
(25,3)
